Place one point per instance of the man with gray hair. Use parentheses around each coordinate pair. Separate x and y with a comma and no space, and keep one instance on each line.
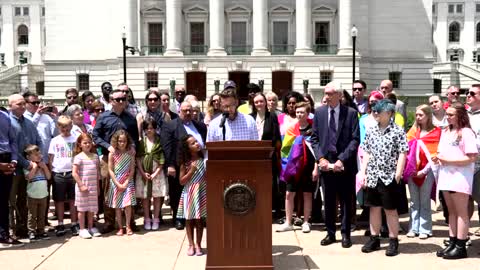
(335,141)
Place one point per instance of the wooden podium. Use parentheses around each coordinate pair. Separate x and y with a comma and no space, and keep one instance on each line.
(239,205)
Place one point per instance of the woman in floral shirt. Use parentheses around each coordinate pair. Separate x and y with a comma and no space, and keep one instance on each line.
(385,149)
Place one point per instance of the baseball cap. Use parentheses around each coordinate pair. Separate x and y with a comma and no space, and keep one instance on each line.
(229,84)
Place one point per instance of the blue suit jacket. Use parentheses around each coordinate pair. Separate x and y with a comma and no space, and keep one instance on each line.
(348,136)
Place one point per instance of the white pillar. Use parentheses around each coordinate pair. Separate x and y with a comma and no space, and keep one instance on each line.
(174,28)
(345,26)
(217,28)
(468,34)
(35,37)
(9,34)
(441,32)
(303,14)
(260,28)
(131,27)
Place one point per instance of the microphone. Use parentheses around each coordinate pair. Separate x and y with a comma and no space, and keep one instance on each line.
(224,118)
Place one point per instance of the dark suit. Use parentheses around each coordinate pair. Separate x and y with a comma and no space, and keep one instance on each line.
(337,183)
(172,134)
(271,132)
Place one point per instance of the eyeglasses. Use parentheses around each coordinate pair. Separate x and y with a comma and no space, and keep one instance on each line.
(34,103)
(357,89)
(72,97)
(123,99)
(454,93)
(152,99)
(99,110)
(471,93)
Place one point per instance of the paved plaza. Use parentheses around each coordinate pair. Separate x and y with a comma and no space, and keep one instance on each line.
(166,249)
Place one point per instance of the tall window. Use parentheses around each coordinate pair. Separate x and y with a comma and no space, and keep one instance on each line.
(23,35)
(151,79)
(197,37)
(325,77)
(454,32)
(239,37)
(43,11)
(451,8)
(322,37)
(280,37)
(18,11)
(459,8)
(478,32)
(396,78)
(155,38)
(83,82)
(477,8)
(26,11)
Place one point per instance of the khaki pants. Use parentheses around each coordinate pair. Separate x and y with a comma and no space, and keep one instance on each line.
(36,214)
(18,205)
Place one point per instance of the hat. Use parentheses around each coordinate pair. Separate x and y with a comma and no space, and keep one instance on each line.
(229,84)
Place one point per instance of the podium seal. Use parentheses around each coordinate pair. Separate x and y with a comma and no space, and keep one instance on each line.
(239,199)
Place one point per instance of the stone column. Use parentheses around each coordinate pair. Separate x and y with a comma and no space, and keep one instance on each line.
(174,28)
(468,34)
(132,27)
(345,26)
(303,14)
(440,36)
(35,39)
(9,35)
(260,28)
(217,28)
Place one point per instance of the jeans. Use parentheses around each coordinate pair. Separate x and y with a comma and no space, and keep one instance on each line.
(420,208)
(18,206)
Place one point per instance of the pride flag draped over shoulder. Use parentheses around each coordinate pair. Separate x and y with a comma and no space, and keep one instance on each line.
(294,153)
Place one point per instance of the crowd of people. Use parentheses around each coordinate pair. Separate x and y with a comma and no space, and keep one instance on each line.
(111,156)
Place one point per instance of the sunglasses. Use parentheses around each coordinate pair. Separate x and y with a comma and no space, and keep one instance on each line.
(455,93)
(471,93)
(72,97)
(99,110)
(357,89)
(123,99)
(152,99)
(35,103)
(180,93)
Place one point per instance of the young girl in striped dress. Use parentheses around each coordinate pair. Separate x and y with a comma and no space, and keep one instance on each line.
(86,172)
(193,201)
(121,167)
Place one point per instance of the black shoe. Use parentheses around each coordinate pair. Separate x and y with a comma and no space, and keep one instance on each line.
(179,225)
(134,227)
(346,242)
(60,230)
(367,233)
(280,221)
(450,245)
(458,252)
(297,222)
(328,240)
(392,249)
(107,228)
(372,244)
(32,237)
(15,243)
(22,234)
(43,236)
(75,229)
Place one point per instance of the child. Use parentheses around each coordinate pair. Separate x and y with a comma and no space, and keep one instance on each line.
(60,155)
(150,177)
(121,167)
(86,172)
(193,201)
(37,192)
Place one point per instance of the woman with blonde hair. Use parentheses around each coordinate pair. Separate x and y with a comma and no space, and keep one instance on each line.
(213,109)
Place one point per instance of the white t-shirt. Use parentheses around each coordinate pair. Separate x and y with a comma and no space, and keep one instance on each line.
(62,150)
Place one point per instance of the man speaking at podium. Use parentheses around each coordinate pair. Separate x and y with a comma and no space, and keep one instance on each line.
(232,125)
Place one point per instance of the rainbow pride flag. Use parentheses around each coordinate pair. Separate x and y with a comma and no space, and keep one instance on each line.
(293,154)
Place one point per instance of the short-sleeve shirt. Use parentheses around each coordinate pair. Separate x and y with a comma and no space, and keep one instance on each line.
(37,187)
(242,128)
(384,148)
(62,150)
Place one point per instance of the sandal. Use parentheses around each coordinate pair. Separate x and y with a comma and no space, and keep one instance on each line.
(190,251)
(129,231)
(120,232)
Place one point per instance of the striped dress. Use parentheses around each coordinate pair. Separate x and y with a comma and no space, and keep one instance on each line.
(193,201)
(116,198)
(88,172)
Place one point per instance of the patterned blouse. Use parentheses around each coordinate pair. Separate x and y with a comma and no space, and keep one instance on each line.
(384,148)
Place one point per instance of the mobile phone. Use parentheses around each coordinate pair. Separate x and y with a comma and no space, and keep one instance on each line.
(49,109)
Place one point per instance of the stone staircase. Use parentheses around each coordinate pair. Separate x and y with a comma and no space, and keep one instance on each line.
(454,73)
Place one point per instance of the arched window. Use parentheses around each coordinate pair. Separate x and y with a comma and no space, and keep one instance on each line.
(478,32)
(454,32)
(22,35)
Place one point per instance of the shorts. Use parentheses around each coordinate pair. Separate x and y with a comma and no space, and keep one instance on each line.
(304,184)
(387,197)
(63,187)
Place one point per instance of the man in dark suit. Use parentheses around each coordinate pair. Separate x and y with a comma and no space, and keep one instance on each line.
(173,133)
(335,141)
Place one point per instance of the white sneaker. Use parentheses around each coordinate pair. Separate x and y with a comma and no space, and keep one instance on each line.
(85,234)
(155,224)
(94,232)
(423,236)
(306,227)
(147,224)
(411,234)
(285,228)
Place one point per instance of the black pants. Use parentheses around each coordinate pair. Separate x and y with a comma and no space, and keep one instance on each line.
(5,186)
(174,191)
(343,185)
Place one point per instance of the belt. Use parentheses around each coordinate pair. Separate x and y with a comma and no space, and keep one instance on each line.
(63,173)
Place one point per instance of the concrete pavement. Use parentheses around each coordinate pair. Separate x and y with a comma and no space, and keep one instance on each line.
(166,249)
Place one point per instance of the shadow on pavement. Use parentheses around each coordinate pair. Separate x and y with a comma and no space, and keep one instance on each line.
(288,258)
